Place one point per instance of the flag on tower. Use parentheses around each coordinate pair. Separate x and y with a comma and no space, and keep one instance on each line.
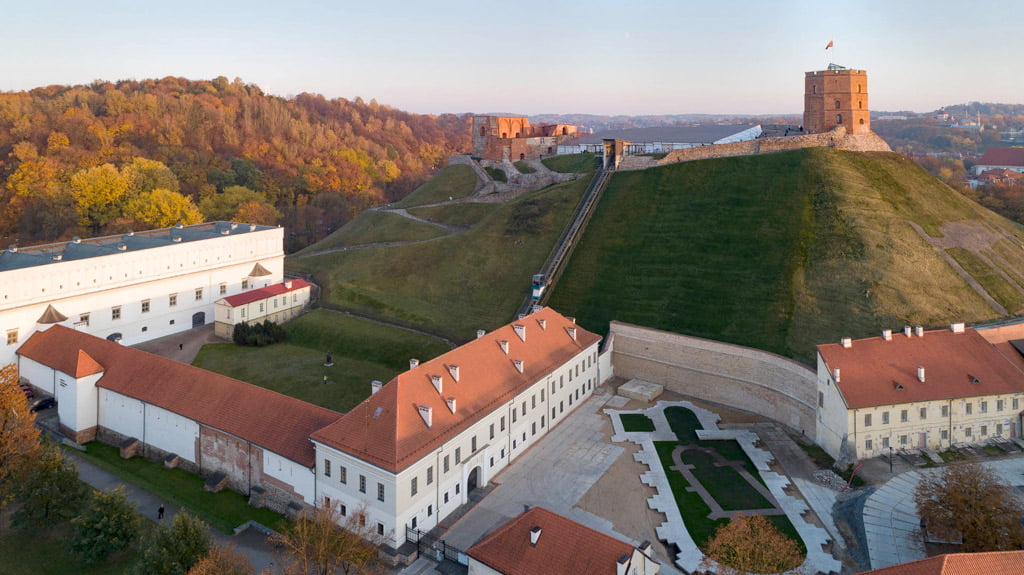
(830,44)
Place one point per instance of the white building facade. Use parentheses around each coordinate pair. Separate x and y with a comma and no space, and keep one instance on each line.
(135,287)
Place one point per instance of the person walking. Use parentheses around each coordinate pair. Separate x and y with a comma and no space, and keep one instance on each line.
(160,513)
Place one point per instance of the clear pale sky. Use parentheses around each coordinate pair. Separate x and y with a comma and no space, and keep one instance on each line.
(602,57)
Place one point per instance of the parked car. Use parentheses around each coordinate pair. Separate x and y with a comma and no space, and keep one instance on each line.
(27,390)
(44,403)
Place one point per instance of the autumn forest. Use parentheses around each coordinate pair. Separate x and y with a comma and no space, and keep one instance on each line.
(111,157)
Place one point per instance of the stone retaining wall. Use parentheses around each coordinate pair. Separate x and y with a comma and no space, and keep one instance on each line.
(735,376)
(836,138)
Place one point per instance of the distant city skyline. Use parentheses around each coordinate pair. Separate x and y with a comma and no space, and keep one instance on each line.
(739,57)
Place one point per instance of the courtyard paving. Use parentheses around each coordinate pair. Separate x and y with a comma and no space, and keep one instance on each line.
(891,522)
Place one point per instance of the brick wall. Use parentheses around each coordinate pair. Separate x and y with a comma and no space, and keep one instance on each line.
(735,376)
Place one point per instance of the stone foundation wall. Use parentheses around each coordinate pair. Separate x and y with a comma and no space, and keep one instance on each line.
(837,138)
(115,439)
(735,376)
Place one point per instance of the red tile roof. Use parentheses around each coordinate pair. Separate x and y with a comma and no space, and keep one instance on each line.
(1002,157)
(563,548)
(872,369)
(265,292)
(85,365)
(992,563)
(273,421)
(387,430)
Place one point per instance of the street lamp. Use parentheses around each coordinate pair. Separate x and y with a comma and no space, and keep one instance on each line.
(890,459)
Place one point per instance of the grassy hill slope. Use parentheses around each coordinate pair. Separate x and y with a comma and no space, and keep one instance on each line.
(785,251)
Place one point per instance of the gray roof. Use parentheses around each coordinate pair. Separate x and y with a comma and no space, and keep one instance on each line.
(705,134)
(18,258)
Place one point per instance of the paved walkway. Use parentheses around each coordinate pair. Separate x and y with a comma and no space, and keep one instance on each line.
(690,558)
(183,346)
(892,524)
(555,473)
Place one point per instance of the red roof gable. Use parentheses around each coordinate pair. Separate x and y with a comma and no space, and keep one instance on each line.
(563,548)
(387,430)
(1002,157)
(265,292)
(273,421)
(873,371)
(992,563)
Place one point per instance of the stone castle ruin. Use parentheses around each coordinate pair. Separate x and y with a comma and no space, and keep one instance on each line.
(512,138)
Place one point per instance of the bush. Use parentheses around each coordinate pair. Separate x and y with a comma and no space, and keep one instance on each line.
(108,524)
(258,334)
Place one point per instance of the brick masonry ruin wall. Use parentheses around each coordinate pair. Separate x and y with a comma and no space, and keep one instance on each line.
(836,138)
(735,376)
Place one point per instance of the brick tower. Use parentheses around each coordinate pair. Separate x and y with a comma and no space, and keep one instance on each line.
(836,97)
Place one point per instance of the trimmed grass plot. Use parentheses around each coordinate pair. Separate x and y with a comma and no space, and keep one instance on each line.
(636,422)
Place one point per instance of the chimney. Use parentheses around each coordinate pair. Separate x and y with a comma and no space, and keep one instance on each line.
(179,225)
(252,227)
(438,384)
(288,284)
(543,323)
(233,225)
(520,330)
(58,257)
(887,334)
(920,373)
(12,248)
(572,332)
(571,319)
(835,374)
(176,239)
(129,233)
(425,414)
(225,232)
(77,240)
(919,331)
(414,363)
(519,365)
(907,330)
(122,247)
(520,317)
(480,333)
(847,342)
(504,346)
(534,535)
(451,404)
(957,327)
(454,370)
(375,386)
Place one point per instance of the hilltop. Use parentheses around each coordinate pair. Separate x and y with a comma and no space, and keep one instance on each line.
(785,251)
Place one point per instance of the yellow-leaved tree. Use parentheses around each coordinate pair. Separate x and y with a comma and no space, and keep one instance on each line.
(19,436)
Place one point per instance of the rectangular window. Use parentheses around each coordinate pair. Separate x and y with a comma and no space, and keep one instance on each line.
(968,408)
(922,413)
(380,528)
(999,404)
(542,394)
(430,510)
(84,319)
(327,467)
(223,288)
(1016,403)
(944,434)
(524,409)
(362,484)
(380,491)
(999,429)
(446,464)
(172,300)
(867,420)
(533,402)
(430,475)
(342,474)
(945,411)
(472,444)
(245,283)
(514,415)
(821,399)
(199,294)
(867,445)
(12,336)
(984,430)
(903,440)
(458,455)
(984,407)
(885,418)
(503,423)
(344,510)
(885,443)
(542,422)
(261,307)
(492,431)
(446,497)
(967,432)
(115,312)
(145,306)
(533,428)
(903,416)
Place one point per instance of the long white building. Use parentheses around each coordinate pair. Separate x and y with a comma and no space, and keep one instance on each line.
(411,453)
(137,286)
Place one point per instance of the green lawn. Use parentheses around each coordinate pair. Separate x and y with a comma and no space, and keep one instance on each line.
(779,252)
(362,351)
(726,485)
(455,181)
(996,285)
(466,215)
(571,163)
(496,174)
(374,227)
(454,285)
(523,167)
(636,422)
(46,551)
(223,511)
